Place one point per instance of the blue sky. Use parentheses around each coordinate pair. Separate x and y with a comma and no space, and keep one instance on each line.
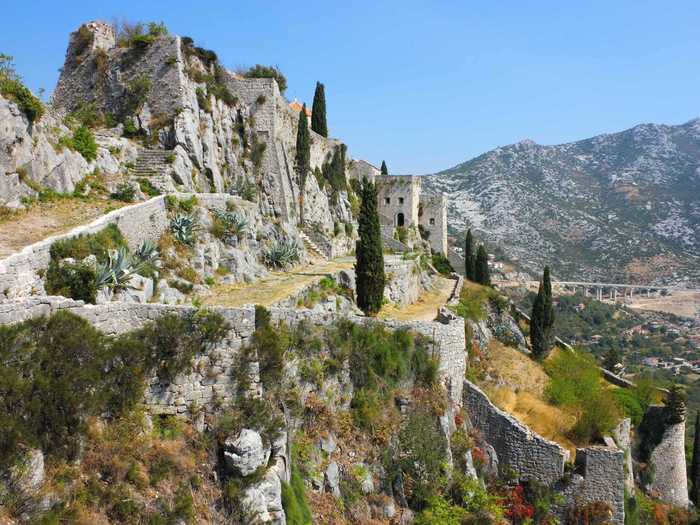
(426,84)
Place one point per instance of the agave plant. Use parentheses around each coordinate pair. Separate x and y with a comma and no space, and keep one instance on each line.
(117,271)
(234,224)
(146,254)
(183,227)
(282,254)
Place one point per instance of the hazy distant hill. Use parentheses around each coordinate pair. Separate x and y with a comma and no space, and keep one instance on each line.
(619,207)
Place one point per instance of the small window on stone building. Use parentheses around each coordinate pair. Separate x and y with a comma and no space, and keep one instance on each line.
(400,200)
(432,222)
(387,200)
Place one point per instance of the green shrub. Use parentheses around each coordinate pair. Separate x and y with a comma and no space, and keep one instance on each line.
(99,244)
(294,502)
(474,301)
(576,383)
(420,456)
(440,510)
(442,263)
(12,88)
(148,188)
(77,281)
(125,192)
(84,143)
(260,71)
(246,189)
(137,91)
(259,414)
(88,115)
(203,100)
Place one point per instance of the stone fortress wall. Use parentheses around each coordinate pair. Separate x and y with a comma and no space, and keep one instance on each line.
(21,273)
(212,379)
(600,472)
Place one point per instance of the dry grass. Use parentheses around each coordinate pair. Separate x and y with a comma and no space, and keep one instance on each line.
(425,309)
(276,287)
(44,219)
(518,387)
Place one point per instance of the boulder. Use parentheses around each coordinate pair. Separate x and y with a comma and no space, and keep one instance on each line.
(332,479)
(139,290)
(262,501)
(246,453)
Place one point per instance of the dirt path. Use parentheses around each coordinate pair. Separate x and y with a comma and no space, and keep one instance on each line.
(45,219)
(277,286)
(425,309)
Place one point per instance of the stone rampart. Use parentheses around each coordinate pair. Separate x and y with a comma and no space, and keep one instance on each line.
(20,273)
(212,379)
(603,472)
(447,335)
(519,449)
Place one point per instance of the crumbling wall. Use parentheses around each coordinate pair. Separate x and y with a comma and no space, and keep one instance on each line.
(20,273)
(519,449)
(447,334)
(599,478)
(662,446)
(212,379)
(404,280)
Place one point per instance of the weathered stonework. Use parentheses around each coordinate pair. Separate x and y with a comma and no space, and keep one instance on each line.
(599,477)
(519,449)
(663,445)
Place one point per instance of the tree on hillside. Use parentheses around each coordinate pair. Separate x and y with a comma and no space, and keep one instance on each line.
(542,318)
(369,259)
(334,171)
(676,402)
(302,158)
(469,257)
(384,170)
(481,267)
(695,466)
(318,111)
(612,359)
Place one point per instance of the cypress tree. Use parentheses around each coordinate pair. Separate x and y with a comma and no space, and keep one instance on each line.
(695,465)
(369,259)
(481,267)
(548,309)
(469,257)
(384,170)
(302,158)
(318,111)
(542,318)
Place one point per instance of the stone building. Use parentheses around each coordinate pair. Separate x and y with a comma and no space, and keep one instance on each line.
(402,204)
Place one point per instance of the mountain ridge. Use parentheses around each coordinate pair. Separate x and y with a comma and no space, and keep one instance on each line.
(620,206)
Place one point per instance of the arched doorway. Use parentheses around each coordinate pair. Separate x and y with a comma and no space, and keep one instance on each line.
(400,219)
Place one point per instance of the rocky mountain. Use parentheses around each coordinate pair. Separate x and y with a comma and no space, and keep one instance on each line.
(619,207)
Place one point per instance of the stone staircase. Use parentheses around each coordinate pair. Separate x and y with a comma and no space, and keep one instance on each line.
(153,165)
(311,247)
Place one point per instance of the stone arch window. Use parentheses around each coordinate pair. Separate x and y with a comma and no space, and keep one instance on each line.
(400,219)
(400,200)
(387,200)
(432,221)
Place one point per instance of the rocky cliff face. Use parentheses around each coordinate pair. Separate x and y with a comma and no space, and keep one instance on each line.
(218,131)
(617,207)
